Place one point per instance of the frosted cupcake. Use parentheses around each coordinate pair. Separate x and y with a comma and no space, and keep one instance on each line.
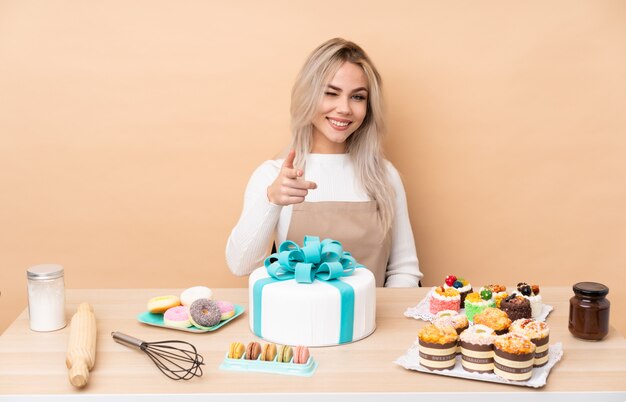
(450,317)
(477,302)
(514,357)
(516,307)
(498,292)
(461,285)
(444,299)
(495,319)
(477,349)
(539,334)
(532,294)
(437,347)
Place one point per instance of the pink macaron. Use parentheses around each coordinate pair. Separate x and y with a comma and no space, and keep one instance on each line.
(227,309)
(301,355)
(177,317)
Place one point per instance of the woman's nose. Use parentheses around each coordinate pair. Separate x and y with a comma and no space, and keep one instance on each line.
(343,105)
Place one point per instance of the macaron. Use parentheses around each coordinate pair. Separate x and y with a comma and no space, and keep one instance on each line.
(301,355)
(284,354)
(177,317)
(236,350)
(253,351)
(192,294)
(226,308)
(268,353)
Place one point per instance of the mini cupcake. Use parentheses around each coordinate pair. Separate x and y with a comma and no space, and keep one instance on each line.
(539,334)
(532,294)
(437,347)
(460,284)
(455,320)
(444,299)
(477,349)
(516,307)
(495,319)
(476,302)
(514,355)
(498,292)
(450,317)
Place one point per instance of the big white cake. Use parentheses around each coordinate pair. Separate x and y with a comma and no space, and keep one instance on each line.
(310,314)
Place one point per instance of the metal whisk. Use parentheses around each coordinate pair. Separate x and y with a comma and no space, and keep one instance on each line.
(179,360)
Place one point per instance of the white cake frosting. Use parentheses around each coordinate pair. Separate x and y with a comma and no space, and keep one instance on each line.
(478,335)
(531,328)
(464,289)
(310,314)
(536,305)
(441,297)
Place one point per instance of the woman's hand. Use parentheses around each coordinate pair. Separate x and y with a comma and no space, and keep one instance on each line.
(289,188)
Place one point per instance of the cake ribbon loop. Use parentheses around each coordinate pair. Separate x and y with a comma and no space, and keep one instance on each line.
(323,260)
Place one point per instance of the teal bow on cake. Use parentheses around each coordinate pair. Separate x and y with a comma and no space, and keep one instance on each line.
(323,260)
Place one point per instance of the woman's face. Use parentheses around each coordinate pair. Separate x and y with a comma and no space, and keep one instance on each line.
(341,110)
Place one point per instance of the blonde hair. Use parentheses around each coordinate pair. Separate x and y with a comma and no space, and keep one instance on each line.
(364,145)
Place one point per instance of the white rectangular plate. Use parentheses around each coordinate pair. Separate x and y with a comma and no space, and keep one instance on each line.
(539,378)
(422,311)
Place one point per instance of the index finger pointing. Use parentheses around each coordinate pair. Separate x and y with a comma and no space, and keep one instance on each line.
(288,163)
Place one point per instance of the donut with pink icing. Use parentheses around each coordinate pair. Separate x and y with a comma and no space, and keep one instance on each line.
(177,317)
(226,308)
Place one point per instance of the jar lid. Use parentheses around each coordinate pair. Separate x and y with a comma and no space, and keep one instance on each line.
(591,289)
(45,271)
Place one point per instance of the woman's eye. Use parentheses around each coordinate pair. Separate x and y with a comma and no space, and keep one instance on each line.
(331,93)
(359,97)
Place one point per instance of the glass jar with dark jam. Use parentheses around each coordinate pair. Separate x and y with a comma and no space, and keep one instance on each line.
(589,311)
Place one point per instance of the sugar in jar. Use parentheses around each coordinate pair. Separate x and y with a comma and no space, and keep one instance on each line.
(589,311)
(46,297)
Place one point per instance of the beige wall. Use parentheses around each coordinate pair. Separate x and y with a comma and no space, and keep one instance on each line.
(128,130)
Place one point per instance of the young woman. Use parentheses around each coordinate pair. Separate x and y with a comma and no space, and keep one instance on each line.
(334,183)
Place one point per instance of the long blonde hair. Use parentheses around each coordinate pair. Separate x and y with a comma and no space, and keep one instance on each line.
(364,145)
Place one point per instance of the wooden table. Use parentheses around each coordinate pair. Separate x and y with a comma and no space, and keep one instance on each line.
(33,364)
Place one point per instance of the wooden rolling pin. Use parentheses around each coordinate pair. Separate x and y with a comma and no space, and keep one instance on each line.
(81,351)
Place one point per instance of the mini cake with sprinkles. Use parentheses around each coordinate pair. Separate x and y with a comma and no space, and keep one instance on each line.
(516,307)
(539,334)
(444,299)
(476,302)
(477,348)
(495,319)
(514,356)
(437,347)
(450,317)
(498,292)
(204,313)
(532,294)
(460,284)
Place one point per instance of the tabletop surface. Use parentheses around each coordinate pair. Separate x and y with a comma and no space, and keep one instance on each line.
(34,363)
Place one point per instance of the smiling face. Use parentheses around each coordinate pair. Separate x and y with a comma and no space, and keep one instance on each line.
(341,110)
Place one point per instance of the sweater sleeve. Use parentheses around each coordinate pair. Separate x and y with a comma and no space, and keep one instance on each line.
(403,268)
(248,242)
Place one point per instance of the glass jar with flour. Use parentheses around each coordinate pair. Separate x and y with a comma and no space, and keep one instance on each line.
(46,297)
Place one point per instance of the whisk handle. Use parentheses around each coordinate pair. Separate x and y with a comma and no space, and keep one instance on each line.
(127,340)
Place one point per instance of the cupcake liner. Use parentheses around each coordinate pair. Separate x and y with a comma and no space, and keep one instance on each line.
(539,377)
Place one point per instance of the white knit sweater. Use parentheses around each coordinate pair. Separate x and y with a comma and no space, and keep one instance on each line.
(261,221)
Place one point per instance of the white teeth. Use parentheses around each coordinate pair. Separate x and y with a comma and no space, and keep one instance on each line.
(338,123)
